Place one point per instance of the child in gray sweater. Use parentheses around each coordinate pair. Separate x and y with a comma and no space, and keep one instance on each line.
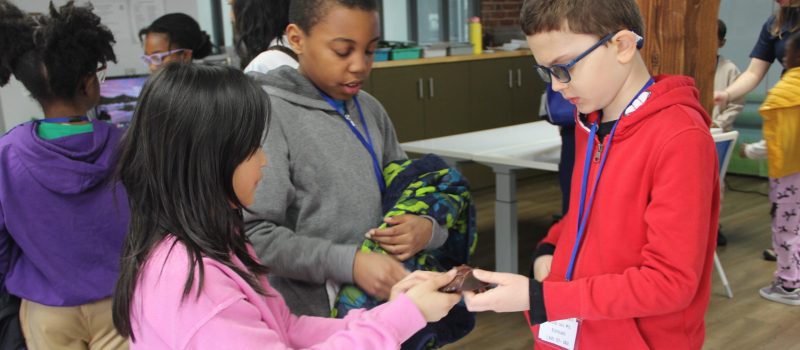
(326,147)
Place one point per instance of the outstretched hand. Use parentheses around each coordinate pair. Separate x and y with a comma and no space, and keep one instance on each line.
(422,287)
(510,295)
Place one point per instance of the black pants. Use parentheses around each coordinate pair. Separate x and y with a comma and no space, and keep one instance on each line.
(10,330)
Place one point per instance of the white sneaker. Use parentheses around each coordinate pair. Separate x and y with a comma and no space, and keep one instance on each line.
(776,293)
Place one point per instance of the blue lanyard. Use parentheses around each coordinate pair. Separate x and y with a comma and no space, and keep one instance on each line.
(75,119)
(584,209)
(366,142)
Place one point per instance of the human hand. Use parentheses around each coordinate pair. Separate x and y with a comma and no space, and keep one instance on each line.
(376,273)
(407,235)
(541,267)
(511,293)
(742,152)
(422,287)
(721,97)
(464,281)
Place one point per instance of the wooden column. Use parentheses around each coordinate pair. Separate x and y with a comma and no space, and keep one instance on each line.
(681,38)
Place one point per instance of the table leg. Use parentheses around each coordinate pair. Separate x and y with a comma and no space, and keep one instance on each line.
(505,220)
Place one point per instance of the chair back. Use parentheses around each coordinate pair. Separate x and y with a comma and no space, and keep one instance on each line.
(725,143)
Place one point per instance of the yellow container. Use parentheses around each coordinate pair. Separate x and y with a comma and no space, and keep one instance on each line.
(476,35)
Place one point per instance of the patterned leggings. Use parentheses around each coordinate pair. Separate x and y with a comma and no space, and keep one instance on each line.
(785,193)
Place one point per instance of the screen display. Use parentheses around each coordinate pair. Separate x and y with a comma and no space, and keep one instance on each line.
(118,96)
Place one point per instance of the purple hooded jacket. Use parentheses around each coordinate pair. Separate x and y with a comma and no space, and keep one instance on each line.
(62,222)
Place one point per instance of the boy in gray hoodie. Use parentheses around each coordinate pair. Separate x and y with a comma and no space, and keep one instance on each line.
(327,146)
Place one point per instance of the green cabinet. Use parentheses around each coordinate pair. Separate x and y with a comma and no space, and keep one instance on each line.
(440,99)
(491,86)
(504,92)
(401,92)
(527,91)
(447,91)
(366,85)
(424,101)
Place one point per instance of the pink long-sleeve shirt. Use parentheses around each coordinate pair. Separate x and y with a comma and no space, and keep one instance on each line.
(229,314)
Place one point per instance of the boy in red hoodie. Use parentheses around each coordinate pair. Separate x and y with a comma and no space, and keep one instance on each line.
(629,267)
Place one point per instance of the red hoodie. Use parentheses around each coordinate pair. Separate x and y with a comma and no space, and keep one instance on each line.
(642,275)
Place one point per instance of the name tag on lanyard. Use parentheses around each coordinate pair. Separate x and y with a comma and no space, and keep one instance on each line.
(561,333)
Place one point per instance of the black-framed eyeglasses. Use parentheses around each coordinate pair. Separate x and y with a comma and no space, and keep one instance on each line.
(561,71)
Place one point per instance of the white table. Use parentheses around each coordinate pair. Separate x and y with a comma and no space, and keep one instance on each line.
(534,145)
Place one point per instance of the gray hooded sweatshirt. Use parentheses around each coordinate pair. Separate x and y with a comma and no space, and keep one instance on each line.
(319,195)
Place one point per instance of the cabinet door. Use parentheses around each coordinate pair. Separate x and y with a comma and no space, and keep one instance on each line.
(367,84)
(491,86)
(401,92)
(527,92)
(446,93)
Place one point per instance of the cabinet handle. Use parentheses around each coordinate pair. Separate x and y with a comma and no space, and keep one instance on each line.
(519,77)
(510,79)
(419,88)
(430,86)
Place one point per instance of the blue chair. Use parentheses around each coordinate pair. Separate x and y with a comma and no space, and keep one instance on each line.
(725,143)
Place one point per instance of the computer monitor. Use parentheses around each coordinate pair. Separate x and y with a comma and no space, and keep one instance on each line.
(118,96)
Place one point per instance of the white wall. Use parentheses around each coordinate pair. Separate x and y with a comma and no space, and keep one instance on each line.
(125,18)
(744,19)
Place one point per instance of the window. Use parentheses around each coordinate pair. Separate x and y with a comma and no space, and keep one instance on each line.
(421,21)
(427,21)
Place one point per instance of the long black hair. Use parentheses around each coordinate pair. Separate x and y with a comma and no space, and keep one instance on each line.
(182,31)
(52,54)
(193,125)
(257,23)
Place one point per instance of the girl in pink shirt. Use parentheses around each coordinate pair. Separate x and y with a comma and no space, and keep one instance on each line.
(191,162)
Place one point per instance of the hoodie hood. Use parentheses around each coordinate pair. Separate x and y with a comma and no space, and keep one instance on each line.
(669,91)
(785,94)
(67,165)
(66,222)
(288,84)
